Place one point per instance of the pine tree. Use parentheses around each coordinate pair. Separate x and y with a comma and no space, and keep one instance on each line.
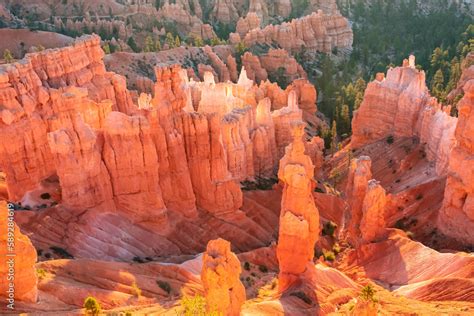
(106,48)
(454,74)
(132,44)
(198,42)
(334,136)
(170,40)
(177,41)
(149,44)
(437,85)
(7,56)
(157,45)
(345,122)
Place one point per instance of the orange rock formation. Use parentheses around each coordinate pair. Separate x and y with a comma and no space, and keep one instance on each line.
(315,32)
(18,262)
(220,274)
(457,214)
(357,186)
(400,106)
(299,217)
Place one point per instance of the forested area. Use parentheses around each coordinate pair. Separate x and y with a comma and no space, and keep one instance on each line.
(385,33)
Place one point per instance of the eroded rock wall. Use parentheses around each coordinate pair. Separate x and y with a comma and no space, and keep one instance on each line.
(400,105)
(456,218)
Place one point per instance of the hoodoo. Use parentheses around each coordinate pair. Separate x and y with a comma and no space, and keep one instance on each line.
(220,274)
(299,217)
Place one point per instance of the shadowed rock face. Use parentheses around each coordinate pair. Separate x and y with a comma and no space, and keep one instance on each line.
(299,217)
(220,277)
(457,214)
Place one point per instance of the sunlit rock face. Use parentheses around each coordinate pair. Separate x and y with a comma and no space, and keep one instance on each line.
(19,268)
(456,217)
(373,223)
(37,99)
(357,185)
(315,32)
(399,105)
(299,217)
(143,169)
(220,276)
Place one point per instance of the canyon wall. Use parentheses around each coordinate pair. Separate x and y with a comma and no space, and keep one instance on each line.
(400,106)
(315,32)
(456,218)
(174,160)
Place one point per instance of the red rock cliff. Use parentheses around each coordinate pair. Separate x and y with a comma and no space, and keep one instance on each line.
(456,218)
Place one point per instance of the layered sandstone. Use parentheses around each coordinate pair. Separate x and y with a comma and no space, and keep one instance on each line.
(299,217)
(315,32)
(400,105)
(220,275)
(357,186)
(18,264)
(250,22)
(456,218)
(36,99)
(192,142)
(373,223)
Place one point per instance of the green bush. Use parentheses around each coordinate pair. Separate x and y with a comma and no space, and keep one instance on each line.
(368,293)
(329,255)
(194,305)
(329,228)
(246,266)
(92,306)
(165,286)
(390,140)
(41,273)
(263,269)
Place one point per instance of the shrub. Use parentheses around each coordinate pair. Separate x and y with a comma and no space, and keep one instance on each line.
(165,286)
(194,305)
(45,196)
(419,197)
(329,255)
(390,139)
(136,290)
(41,273)
(7,56)
(336,248)
(368,293)
(61,252)
(302,296)
(92,306)
(246,266)
(329,228)
(138,259)
(263,269)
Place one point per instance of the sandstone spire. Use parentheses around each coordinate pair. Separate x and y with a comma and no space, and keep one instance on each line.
(299,217)
(220,274)
(357,183)
(373,223)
